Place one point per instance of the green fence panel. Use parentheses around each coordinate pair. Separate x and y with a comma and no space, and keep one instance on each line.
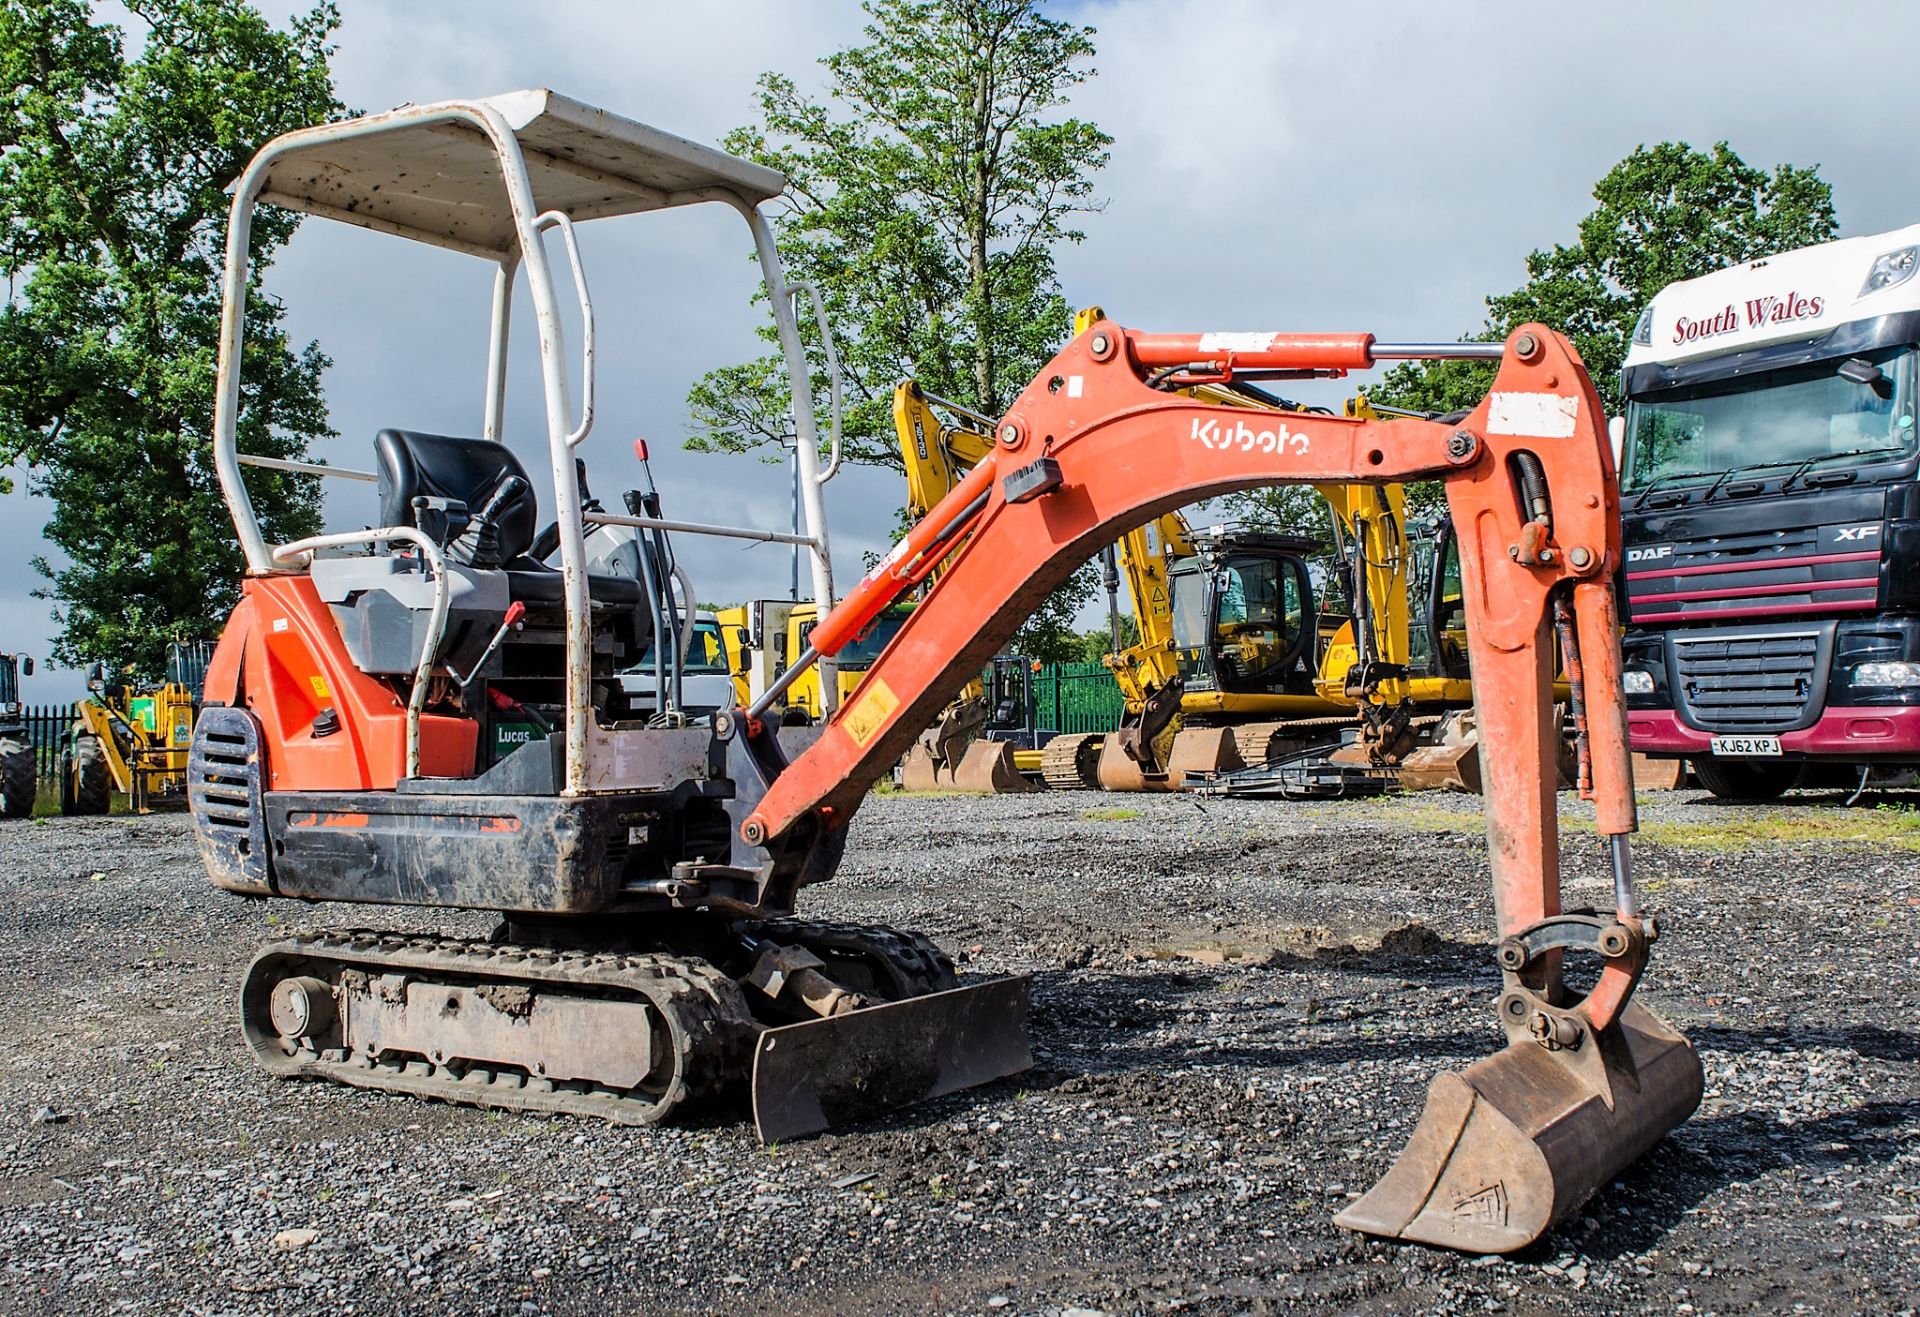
(1076,697)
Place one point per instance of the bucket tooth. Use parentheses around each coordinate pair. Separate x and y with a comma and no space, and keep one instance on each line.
(842,1069)
(1511,1146)
(988,769)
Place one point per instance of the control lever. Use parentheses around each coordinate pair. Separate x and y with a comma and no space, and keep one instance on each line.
(515,612)
(479,543)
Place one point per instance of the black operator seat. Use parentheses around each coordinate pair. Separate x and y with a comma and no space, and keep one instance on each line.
(414,465)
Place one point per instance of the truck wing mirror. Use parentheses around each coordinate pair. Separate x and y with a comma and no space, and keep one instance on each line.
(26,665)
(1858,370)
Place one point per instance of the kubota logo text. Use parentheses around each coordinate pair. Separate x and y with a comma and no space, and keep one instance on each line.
(1247,439)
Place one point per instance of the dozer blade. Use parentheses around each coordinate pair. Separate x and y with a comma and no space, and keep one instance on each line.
(1512,1145)
(987,769)
(821,1074)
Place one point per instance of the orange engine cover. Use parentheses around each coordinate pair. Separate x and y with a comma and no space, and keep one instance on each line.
(282,657)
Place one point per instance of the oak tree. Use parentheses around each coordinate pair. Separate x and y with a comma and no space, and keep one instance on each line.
(115,150)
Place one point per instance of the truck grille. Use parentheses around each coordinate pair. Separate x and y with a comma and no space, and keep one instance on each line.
(1756,683)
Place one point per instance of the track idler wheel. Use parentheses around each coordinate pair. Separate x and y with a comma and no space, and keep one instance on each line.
(1515,1143)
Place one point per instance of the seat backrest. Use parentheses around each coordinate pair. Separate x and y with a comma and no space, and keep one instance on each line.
(413,465)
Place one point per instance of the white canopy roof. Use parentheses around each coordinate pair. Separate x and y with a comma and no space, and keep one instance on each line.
(438,181)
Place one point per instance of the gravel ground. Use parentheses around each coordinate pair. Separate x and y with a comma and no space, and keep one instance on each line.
(1237,1008)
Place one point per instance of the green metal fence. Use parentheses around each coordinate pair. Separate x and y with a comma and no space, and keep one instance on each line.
(47,726)
(1075,697)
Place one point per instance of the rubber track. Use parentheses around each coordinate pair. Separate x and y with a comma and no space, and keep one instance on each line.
(1071,762)
(715,1033)
(919,965)
(1255,740)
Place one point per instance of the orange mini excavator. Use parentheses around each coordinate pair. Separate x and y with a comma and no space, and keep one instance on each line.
(646,860)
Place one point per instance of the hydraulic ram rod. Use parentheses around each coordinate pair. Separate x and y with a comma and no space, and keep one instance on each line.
(1252,351)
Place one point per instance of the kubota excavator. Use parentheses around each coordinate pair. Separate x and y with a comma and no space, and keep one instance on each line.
(647,871)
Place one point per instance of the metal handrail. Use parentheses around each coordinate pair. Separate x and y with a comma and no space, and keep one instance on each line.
(833,375)
(554,219)
(436,623)
(306,468)
(986,423)
(697,528)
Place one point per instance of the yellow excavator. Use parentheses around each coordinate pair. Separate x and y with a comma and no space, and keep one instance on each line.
(1236,682)
(1227,638)
(952,754)
(762,637)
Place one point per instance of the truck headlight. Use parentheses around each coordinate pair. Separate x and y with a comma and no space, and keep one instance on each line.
(1887,674)
(1636,683)
(1891,269)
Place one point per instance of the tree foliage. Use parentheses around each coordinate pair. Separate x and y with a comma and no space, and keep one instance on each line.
(114,157)
(924,201)
(1664,213)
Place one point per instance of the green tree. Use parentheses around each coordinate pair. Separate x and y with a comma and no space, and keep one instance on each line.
(925,200)
(1666,212)
(1095,645)
(117,152)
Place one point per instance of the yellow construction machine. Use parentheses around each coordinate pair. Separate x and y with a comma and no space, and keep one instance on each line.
(1237,682)
(764,636)
(1227,637)
(133,742)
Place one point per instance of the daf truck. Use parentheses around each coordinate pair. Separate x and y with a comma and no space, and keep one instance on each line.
(1771,519)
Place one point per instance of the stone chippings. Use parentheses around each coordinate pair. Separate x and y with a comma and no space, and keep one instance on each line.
(1237,1008)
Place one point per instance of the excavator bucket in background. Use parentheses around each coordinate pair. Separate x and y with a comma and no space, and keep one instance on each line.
(842,1069)
(919,772)
(1203,750)
(1120,771)
(987,768)
(1510,1146)
(1450,762)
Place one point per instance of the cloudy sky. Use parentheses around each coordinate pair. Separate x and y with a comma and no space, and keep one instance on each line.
(1284,166)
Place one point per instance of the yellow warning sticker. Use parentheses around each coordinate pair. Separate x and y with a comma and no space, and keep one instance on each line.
(871,707)
(320,687)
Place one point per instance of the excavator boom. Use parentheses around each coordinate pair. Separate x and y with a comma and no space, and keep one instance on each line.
(1092,449)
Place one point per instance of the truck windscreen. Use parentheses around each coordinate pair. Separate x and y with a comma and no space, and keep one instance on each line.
(860,653)
(1813,415)
(706,655)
